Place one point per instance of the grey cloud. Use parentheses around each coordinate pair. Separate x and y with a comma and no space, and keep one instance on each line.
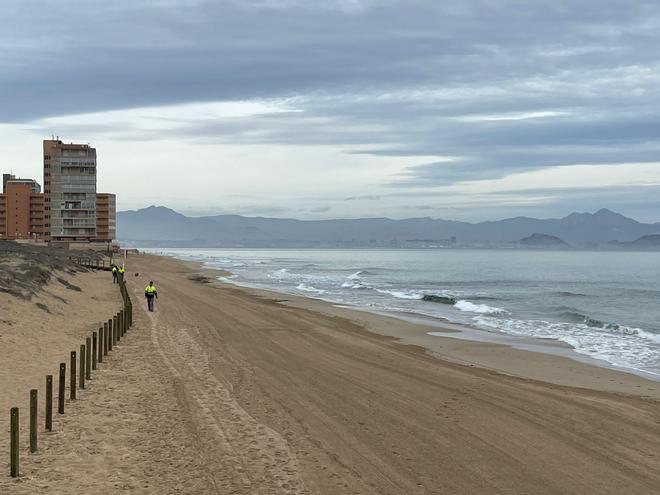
(369,197)
(316,209)
(164,52)
(389,78)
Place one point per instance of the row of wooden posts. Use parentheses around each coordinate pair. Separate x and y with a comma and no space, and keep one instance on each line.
(92,352)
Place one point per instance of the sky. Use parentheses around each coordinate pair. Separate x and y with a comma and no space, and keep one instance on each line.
(469,110)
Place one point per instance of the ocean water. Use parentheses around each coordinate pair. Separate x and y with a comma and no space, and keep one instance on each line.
(604,304)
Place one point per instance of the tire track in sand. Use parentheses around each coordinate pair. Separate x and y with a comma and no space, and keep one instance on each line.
(241,455)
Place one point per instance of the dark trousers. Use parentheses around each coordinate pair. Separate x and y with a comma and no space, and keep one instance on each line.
(150,303)
(114,278)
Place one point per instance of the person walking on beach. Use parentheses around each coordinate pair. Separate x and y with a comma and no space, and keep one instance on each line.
(114,274)
(121,271)
(150,293)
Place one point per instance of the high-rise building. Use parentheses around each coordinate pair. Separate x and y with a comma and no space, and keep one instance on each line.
(69,191)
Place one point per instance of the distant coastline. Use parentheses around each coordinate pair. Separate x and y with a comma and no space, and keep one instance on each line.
(158,226)
(197,244)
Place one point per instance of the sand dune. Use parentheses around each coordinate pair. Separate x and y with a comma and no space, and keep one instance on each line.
(39,333)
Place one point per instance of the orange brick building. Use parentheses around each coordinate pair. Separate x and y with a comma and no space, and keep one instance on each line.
(106,215)
(22,214)
(21,211)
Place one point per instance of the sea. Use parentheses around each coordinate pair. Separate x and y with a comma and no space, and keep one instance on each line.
(605,305)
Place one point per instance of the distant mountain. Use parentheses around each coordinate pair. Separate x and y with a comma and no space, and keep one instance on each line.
(651,241)
(162,226)
(542,241)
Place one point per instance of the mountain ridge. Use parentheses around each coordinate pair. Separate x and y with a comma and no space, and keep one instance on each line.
(160,224)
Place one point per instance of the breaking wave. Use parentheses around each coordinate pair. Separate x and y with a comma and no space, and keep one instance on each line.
(619,345)
(577,317)
(309,288)
(401,294)
(564,293)
(484,309)
(354,284)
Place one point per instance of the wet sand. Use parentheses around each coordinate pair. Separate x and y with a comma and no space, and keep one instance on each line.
(231,390)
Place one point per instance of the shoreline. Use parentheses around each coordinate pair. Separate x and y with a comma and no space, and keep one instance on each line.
(551,346)
(569,367)
(587,334)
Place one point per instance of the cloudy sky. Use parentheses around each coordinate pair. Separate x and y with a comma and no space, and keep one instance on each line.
(471,110)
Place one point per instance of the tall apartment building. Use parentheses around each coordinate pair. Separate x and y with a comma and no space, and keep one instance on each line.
(69,191)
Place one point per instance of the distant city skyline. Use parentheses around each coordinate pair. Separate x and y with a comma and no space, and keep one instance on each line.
(473,111)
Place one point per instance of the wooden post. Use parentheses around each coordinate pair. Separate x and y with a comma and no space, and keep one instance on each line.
(33,419)
(13,449)
(94,350)
(81,380)
(105,338)
(60,392)
(49,402)
(110,334)
(101,343)
(72,380)
(114,330)
(118,331)
(88,358)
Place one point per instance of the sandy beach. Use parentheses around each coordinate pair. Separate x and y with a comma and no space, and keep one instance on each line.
(231,390)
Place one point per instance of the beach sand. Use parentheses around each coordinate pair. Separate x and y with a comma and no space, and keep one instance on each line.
(231,390)
(38,333)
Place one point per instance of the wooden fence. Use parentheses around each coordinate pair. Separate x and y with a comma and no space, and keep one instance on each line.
(82,363)
(98,264)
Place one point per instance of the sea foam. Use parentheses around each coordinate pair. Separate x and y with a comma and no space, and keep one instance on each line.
(308,288)
(401,294)
(619,345)
(470,307)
